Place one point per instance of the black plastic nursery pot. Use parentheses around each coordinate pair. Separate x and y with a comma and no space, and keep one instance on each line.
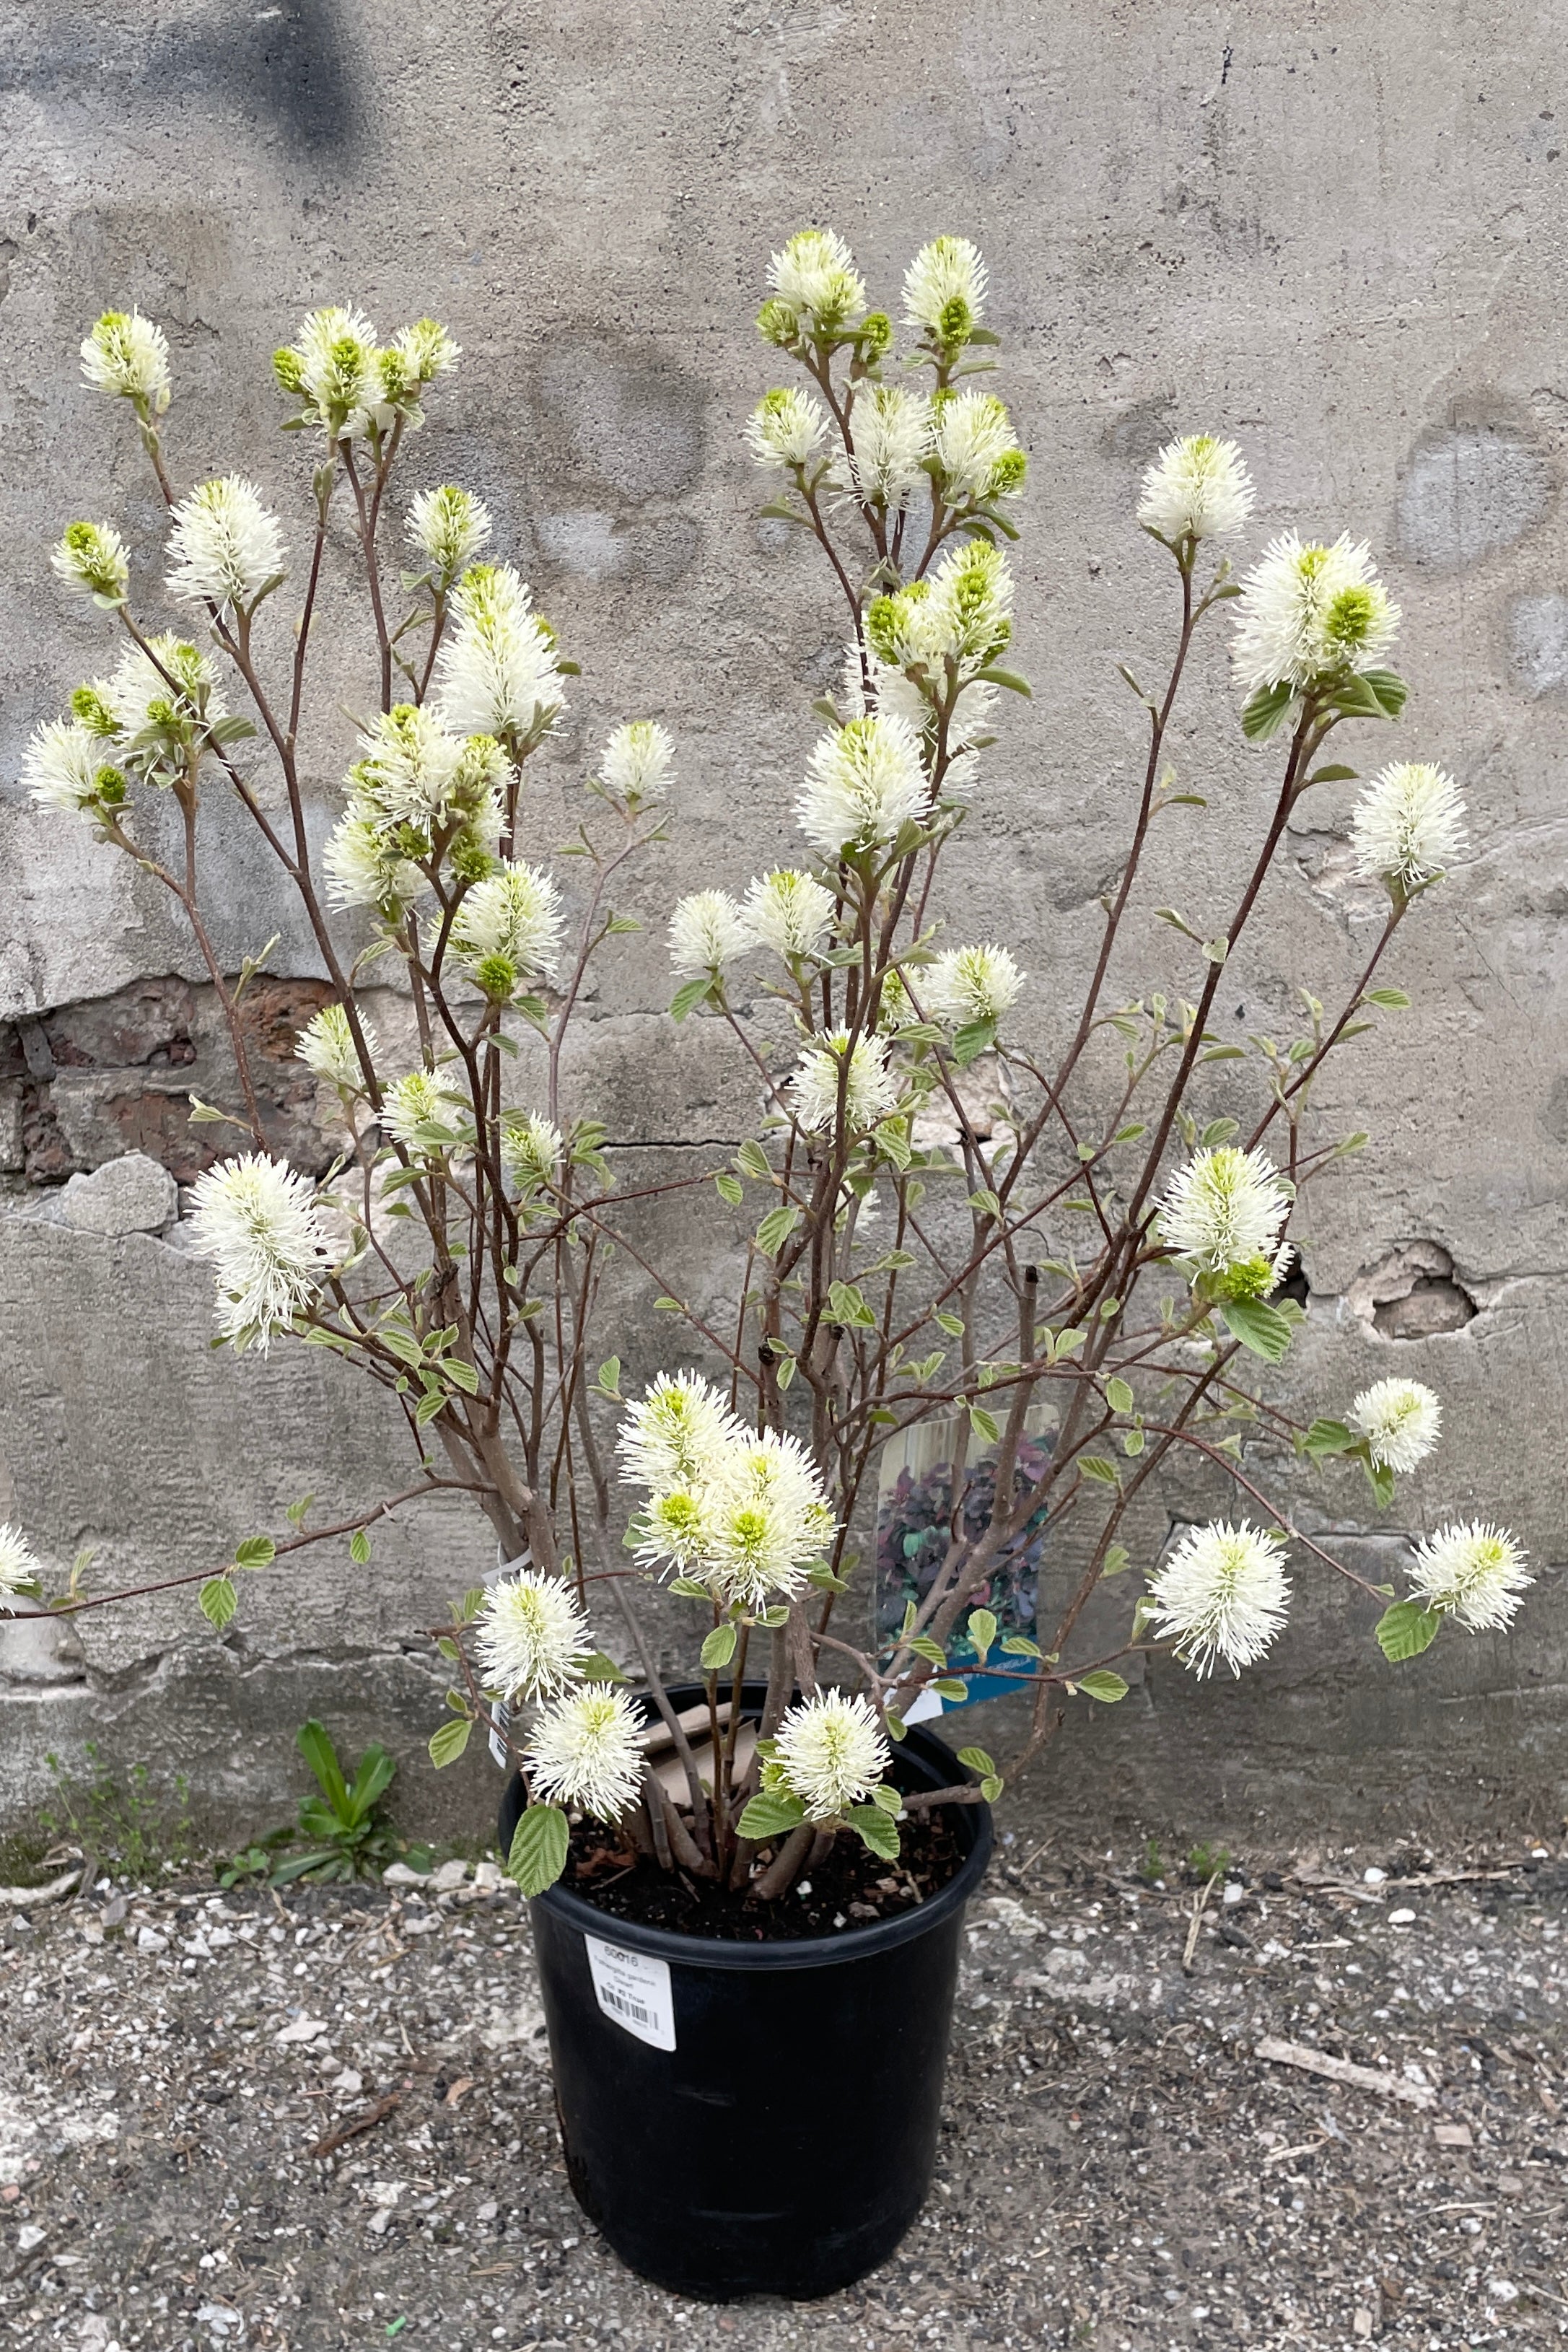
(760,2118)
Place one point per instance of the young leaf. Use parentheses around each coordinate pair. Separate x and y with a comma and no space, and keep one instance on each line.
(1118,1395)
(1267,711)
(984,1425)
(982,1631)
(1095,1466)
(1388,689)
(360,1547)
(598,1668)
(538,1849)
(1117,1560)
(1405,1630)
(730,1188)
(775,1228)
(256,1551)
(977,1760)
(1328,1437)
(719,1648)
(889,1798)
(218,1601)
(448,1740)
(1103,1686)
(1262,1329)
(688,1588)
(874,1827)
(773,1813)
(687,999)
(1392,1000)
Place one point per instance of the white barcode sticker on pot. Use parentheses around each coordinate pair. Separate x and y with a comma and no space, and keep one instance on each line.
(634,1990)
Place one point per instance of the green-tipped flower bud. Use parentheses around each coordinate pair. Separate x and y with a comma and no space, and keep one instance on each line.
(288,367)
(112,786)
(876,334)
(955,324)
(497,976)
(881,627)
(777,323)
(89,705)
(91,558)
(1006,474)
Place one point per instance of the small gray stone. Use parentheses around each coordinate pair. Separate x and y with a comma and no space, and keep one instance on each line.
(130,1196)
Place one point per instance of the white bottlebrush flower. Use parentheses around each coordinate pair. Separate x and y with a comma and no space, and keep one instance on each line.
(126,354)
(1408,823)
(449,527)
(93,559)
(788,911)
(64,765)
(972,442)
(497,671)
(961,612)
(635,763)
(417,1099)
(335,369)
(1198,488)
(256,1219)
(172,676)
(1472,1571)
(1307,610)
(675,1433)
(707,930)
(945,288)
(530,1637)
(1223,1594)
(17,1565)
(424,350)
(364,870)
(785,429)
(326,1046)
(870,1092)
(224,546)
(1399,1419)
(765,1519)
(865,782)
(1224,1210)
(515,914)
(831,1753)
(891,428)
(975,983)
(531,1150)
(815,275)
(586,1749)
(413,771)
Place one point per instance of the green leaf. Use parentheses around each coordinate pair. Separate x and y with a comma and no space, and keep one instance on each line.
(972,1039)
(982,1631)
(730,1188)
(315,1745)
(538,1849)
(1353,698)
(773,1813)
(1103,1686)
(1118,1395)
(889,1798)
(685,1000)
(846,1304)
(984,1425)
(596,1668)
(1019,1645)
(1008,678)
(991,1788)
(608,1381)
(977,1760)
(1405,1630)
(688,1588)
(1333,775)
(752,1160)
(1261,1329)
(948,1686)
(1389,689)
(875,1828)
(448,1740)
(668,1305)
(461,1374)
(1380,1478)
(1267,711)
(429,1408)
(1328,1437)
(1118,1559)
(1392,1000)
(256,1551)
(718,1649)
(896,1727)
(1095,1466)
(986,1203)
(925,1647)
(218,1601)
(952,1324)
(777,1227)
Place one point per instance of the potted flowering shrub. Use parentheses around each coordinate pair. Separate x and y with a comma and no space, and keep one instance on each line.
(748,1880)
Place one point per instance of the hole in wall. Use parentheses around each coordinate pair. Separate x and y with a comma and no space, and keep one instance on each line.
(1413,1293)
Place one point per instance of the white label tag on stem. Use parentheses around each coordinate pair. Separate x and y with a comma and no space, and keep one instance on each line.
(634,1990)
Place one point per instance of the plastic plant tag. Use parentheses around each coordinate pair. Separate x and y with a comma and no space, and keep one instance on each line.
(914,1532)
(634,1990)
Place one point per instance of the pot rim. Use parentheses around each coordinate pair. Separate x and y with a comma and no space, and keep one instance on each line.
(805,1951)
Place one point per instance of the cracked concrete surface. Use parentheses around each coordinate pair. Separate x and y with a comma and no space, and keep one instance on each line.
(1324,231)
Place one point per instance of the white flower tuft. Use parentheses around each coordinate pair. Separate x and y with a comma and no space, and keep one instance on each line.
(1472,1571)
(765,1518)
(1223,1594)
(675,1433)
(1399,1419)
(831,1753)
(126,354)
(1408,824)
(870,1091)
(336,370)
(497,671)
(892,433)
(1225,1210)
(449,527)
(786,429)
(531,1149)
(530,1637)
(64,764)
(256,1219)
(865,782)
(412,772)
(93,559)
(944,288)
(815,275)
(326,1046)
(788,911)
(707,930)
(422,352)
(419,1100)
(977,983)
(224,546)
(1198,488)
(1307,610)
(365,869)
(515,914)
(972,442)
(635,764)
(586,1749)
(17,1564)
(171,675)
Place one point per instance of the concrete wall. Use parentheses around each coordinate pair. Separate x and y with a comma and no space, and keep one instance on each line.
(1337,232)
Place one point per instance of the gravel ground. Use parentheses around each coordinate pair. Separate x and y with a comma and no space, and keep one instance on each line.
(1120,2169)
